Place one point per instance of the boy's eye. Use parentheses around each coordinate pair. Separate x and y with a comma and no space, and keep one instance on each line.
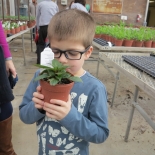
(73,53)
(55,51)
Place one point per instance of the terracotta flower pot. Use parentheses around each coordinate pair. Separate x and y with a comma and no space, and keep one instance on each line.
(103,36)
(97,36)
(113,40)
(110,38)
(127,43)
(17,29)
(8,31)
(34,22)
(59,92)
(25,27)
(153,44)
(107,37)
(148,43)
(118,42)
(30,24)
(21,27)
(138,43)
(12,31)
(133,44)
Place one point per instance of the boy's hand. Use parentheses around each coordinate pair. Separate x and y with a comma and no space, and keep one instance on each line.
(57,109)
(38,98)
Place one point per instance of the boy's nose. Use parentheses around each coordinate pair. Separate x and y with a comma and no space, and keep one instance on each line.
(63,59)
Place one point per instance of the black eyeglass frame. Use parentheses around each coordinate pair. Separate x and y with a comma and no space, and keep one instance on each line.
(64,52)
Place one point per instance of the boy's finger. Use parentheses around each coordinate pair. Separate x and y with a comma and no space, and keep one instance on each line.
(69,98)
(57,102)
(38,88)
(38,95)
(38,106)
(38,101)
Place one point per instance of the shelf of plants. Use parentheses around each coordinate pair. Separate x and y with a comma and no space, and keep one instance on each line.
(14,24)
(121,35)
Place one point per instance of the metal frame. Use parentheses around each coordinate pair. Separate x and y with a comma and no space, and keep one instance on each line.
(21,33)
(140,79)
(117,49)
(18,3)
(117,76)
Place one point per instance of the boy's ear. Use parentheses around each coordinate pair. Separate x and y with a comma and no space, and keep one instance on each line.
(88,53)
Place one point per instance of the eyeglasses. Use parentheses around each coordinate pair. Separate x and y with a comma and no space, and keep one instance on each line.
(69,54)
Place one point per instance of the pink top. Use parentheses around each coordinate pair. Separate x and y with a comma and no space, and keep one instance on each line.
(3,43)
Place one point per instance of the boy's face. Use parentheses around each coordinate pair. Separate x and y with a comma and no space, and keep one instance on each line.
(76,66)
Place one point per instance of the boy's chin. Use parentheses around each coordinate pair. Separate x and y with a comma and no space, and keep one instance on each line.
(69,71)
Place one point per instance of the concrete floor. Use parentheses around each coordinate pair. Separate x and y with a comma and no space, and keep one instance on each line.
(24,136)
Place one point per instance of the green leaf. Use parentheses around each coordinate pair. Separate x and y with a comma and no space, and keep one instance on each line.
(42,66)
(75,79)
(51,72)
(56,74)
(56,64)
(53,81)
(41,77)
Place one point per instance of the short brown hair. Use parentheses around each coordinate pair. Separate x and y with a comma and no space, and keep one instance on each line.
(72,24)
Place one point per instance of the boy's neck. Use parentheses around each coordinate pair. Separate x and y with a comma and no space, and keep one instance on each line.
(80,72)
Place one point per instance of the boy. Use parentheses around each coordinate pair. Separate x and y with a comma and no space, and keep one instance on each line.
(67,128)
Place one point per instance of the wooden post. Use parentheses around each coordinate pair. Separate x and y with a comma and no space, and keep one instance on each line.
(28,10)
(18,8)
(2,10)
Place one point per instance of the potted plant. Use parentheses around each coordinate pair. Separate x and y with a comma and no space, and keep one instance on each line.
(55,81)
(119,35)
(153,38)
(17,28)
(25,25)
(128,37)
(12,29)
(21,26)
(148,38)
(5,29)
(98,30)
(139,37)
(107,32)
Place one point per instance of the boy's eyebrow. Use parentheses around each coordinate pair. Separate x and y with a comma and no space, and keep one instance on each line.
(67,49)
(64,50)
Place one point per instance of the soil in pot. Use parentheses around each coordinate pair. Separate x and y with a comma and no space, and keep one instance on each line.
(60,91)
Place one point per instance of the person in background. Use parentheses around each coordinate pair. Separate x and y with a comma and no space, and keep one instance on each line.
(69,7)
(80,5)
(68,127)
(88,7)
(45,11)
(32,11)
(6,96)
